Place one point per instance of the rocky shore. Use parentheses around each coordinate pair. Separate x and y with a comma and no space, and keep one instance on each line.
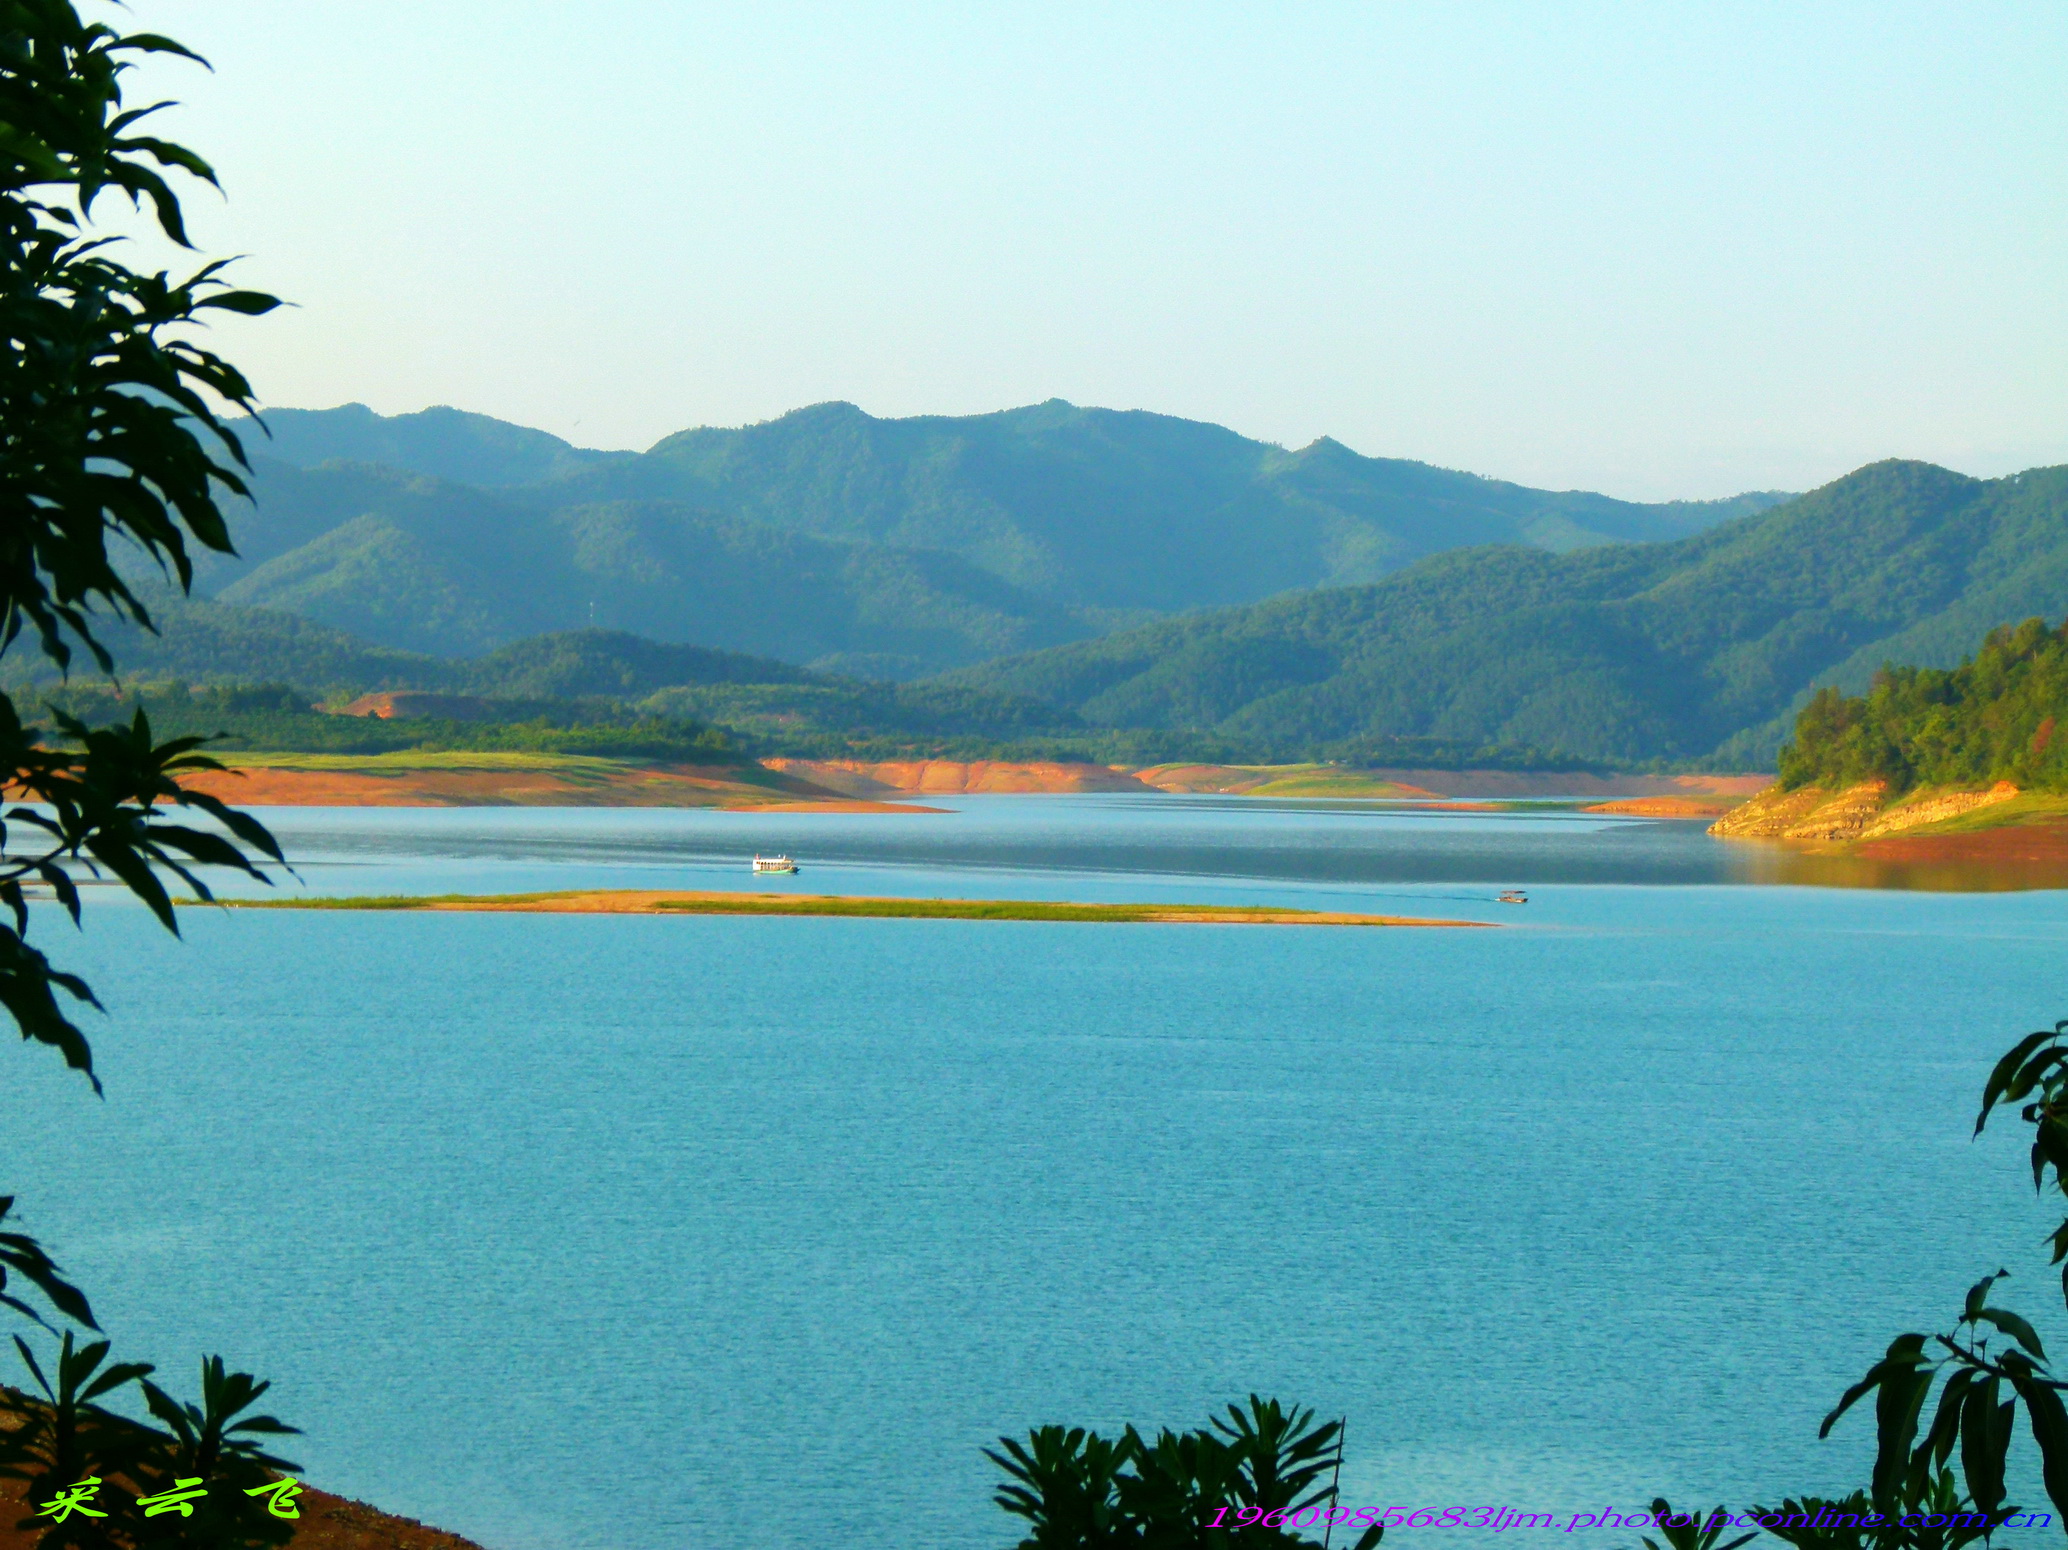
(1853,814)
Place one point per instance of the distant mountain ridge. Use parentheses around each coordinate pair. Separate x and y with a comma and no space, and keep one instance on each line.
(1697,649)
(888,548)
(429,566)
(442,442)
(1695,652)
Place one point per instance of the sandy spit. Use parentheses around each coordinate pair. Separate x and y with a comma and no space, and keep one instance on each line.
(630,901)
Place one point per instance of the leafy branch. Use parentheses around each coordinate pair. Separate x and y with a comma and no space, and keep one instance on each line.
(1979,1390)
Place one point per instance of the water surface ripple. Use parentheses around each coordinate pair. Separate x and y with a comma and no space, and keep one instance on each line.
(650,1233)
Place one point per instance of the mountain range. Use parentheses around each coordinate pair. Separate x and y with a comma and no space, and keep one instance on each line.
(881,548)
(1700,649)
(1068,574)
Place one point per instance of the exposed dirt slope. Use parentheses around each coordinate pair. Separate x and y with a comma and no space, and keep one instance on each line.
(1549,783)
(1860,812)
(1277,780)
(849,785)
(955,777)
(1662,807)
(513,780)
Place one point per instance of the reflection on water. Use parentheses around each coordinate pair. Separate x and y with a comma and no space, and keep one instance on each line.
(1245,839)
(1776,862)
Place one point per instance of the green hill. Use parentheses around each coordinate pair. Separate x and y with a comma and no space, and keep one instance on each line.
(443,443)
(431,566)
(886,548)
(256,674)
(1127,509)
(220,644)
(204,642)
(1701,649)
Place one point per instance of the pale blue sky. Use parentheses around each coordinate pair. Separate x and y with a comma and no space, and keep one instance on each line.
(1653,249)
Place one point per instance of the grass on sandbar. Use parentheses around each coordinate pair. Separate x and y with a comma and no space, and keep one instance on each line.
(811,904)
(940,909)
(379,901)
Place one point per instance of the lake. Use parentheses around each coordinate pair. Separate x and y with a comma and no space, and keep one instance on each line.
(650,1233)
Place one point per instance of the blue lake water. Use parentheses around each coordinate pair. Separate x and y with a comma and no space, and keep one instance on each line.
(648,1233)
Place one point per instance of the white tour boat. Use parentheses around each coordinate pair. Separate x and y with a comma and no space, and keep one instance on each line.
(774,864)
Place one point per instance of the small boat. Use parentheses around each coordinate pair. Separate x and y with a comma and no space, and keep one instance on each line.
(774,864)
(1512,896)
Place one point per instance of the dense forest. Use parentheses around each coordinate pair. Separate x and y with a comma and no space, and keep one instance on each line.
(275,718)
(870,547)
(1697,652)
(1992,718)
(705,724)
(217,669)
(1691,654)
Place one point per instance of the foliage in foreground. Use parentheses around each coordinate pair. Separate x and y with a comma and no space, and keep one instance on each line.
(1259,1471)
(64,1435)
(1992,718)
(110,440)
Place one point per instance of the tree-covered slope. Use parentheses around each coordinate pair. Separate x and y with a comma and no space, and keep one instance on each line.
(221,644)
(431,566)
(1995,717)
(1695,649)
(217,643)
(442,442)
(1129,509)
(248,668)
(1078,519)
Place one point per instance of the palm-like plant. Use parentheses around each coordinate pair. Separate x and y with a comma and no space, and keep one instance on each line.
(1234,1485)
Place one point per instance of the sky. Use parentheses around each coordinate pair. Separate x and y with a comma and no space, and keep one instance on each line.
(1657,250)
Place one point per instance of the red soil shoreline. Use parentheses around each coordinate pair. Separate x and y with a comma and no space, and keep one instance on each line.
(487,786)
(854,786)
(327,1523)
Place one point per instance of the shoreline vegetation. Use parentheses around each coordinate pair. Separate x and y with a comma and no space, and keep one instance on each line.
(1930,763)
(627,901)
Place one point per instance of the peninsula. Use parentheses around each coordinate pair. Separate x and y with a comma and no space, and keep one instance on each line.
(1931,764)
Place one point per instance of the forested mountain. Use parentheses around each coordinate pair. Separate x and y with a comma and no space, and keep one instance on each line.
(884,547)
(1701,648)
(427,565)
(1131,510)
(204,642)
(443,443)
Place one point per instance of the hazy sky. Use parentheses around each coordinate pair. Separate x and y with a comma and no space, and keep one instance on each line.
(1651,249)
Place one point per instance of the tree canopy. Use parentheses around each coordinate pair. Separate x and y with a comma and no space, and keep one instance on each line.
(1992,718)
